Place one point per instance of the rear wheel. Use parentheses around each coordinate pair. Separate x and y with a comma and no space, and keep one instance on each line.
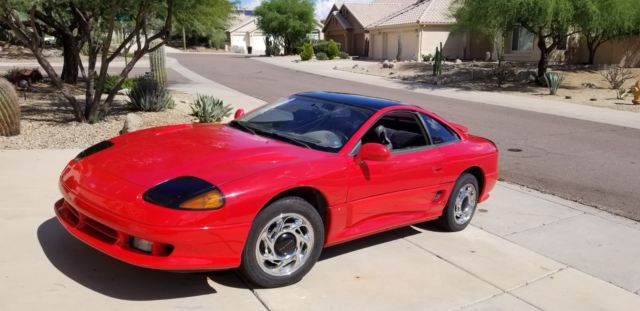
(461,205)
(284,243)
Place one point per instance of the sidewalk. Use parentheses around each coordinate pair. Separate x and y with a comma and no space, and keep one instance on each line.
(524,251)
(569,110)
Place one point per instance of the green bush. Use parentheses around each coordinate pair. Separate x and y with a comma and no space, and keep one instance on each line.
(307,52)
(321,46)
(427,57)
(554,80)
(343,55)
(332,49)
(148,95)
(209,109)
(110,83)
(321,56)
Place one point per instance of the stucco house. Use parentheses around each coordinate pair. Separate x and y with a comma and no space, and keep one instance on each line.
(346,24)
(244,33)
(522,46)
(408,29)
(416,30)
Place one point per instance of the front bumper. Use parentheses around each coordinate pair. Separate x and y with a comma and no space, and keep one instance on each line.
(175,248)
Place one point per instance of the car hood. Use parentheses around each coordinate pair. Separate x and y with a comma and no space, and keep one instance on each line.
(214,152)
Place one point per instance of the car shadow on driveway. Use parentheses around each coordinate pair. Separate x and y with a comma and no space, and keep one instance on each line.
(377,239)
(116,279)
(103,274)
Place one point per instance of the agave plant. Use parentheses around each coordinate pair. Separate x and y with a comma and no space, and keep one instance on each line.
(148,95)
(554,80)
(209,109)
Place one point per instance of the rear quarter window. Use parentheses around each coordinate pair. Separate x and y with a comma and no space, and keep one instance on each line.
(440,133)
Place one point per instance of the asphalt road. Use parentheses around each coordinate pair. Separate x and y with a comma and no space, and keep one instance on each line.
(592,163)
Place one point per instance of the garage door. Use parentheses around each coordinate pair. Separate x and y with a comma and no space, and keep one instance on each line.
(409,45)
(392,45)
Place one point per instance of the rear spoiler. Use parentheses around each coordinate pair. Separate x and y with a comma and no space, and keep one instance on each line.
(463,129)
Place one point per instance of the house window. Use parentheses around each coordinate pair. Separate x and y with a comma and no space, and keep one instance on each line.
(521,40)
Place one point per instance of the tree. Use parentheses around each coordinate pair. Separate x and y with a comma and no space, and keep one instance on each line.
(96,26)
(203,19)
(482,17)
(550,21)
(600,21)
(290,20)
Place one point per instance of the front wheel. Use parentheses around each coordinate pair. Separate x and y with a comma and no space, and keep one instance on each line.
(284,243)
(461,205)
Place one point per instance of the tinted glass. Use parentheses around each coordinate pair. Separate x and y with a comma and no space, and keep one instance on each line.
(439,132)
(317,124)
(398,131)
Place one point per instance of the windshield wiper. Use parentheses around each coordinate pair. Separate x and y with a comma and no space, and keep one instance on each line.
(285,138)
(242,126)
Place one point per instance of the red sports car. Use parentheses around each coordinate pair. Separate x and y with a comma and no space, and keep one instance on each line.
(269,190)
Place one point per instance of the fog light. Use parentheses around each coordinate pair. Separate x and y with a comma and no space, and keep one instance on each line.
(141,244)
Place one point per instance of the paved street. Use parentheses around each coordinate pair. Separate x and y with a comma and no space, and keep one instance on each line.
(593,163)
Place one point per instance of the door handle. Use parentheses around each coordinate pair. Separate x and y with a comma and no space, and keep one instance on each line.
(437,169)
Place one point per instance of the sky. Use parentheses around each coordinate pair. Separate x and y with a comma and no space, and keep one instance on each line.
(322,6)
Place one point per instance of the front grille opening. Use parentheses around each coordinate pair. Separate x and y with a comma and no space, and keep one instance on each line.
(69,215)
(99,231)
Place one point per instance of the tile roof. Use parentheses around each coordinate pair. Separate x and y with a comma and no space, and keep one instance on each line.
(367,13)
(341,20)
(237,20)
(430,12)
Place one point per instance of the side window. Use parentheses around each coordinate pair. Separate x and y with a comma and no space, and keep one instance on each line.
(398,131)
(439,132)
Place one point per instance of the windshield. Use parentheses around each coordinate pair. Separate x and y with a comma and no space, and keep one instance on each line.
(307,122)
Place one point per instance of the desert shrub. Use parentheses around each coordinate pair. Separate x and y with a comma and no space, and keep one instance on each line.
(554,81)
(148,95)
(321,46)
(16,74)
(616,76)
(307,52)
(332,49)
(111,81)
(210,109)
(427,57)
(343,55)
(501,73)
(321,56)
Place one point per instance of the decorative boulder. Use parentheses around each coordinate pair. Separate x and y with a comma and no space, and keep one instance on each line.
(387,64)
(132,123)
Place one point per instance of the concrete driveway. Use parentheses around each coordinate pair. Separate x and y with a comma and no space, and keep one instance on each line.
(525,251)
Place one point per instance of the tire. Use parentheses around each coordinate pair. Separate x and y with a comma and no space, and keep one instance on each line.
(284,243)
(465,195)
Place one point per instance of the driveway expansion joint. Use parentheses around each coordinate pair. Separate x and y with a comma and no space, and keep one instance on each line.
(252,289)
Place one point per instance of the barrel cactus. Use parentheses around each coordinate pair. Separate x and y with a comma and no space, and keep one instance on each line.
(9,109)
(158,66)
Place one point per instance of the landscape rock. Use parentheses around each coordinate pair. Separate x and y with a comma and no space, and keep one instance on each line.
(132,123)
(526,76)
(458,61)
(387,64)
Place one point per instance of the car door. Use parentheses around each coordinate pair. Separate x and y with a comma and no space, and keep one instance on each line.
(403,187)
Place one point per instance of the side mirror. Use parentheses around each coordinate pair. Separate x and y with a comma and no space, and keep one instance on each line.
(239,113)
(374,152)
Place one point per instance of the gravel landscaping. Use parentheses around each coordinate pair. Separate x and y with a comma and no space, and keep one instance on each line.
(581,85)
(47,122)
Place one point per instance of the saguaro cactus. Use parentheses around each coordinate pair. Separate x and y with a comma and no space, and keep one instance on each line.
(158,66)
(9,109)
(437,61)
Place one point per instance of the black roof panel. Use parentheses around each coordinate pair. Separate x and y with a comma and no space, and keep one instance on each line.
(353,100)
